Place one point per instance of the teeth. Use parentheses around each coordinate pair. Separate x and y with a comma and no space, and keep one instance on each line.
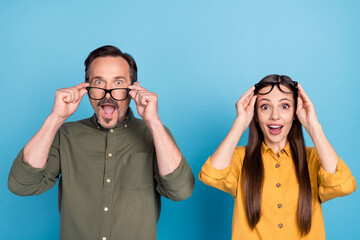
(273,126)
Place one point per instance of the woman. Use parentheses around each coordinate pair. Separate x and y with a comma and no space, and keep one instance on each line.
(278,184)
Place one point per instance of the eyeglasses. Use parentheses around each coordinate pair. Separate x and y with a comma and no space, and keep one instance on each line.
(118,94)
(284,86)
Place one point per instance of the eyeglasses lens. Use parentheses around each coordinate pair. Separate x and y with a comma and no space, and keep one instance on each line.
(285,89)
(96,93)
(117,94)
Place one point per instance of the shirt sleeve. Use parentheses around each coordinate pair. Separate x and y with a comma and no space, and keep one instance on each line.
(177,185)
(225,179)
(25,180)
(339,184)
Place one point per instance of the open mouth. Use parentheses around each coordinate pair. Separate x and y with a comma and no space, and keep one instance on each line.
(108,110)
(275,129)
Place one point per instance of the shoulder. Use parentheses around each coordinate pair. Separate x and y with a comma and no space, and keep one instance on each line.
(76,126)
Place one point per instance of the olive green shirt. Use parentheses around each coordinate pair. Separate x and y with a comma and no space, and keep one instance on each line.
(109,184)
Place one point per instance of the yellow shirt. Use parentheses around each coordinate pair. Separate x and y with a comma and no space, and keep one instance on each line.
(280,193)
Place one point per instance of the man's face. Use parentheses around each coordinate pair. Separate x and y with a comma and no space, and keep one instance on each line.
(109,73)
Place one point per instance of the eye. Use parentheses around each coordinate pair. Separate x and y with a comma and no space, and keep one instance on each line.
(285,106)
(118,82)
(98,82)
(264,107)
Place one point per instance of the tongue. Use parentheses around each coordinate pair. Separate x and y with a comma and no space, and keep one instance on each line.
(275,131)
(108,109)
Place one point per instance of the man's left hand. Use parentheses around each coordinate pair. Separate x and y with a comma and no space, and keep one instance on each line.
(146,103)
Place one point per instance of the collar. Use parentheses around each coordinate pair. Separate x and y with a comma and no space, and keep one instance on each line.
(286,149)
(126,122)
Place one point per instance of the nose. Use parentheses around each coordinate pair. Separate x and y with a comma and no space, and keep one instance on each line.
(274,115)
(107,86)
(107,95)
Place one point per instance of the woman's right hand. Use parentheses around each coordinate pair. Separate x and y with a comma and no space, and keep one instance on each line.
(245,107)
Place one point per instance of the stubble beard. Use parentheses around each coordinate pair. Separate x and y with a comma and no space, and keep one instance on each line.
(121,113)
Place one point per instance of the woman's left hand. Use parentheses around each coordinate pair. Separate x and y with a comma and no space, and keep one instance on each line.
(305,110)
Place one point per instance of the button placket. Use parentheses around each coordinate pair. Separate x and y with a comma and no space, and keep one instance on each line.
(108,188)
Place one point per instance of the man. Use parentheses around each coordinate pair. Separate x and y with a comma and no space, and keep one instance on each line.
(113,166)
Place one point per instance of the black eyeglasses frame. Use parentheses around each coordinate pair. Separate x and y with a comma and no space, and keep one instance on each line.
(108,91)
(259,86)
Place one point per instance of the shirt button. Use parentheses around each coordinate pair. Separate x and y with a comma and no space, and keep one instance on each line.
(106,209)
(104,238)
(282,151)
(110,155)
(111,130)
(278,185)
(277,165)
(108,180)
(280,225)
(279,205)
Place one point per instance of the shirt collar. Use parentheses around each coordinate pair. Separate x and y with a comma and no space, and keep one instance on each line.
(126,122)
(286,149)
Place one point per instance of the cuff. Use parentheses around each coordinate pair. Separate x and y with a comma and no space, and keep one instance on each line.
(340,176)
(179,177)
(23,172)
(214,173)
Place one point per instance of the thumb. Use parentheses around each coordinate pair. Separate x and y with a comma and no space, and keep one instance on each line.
(299,104)
(132,94)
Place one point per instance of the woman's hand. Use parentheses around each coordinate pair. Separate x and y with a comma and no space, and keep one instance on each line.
(245,107)
(307,117)
(305,110)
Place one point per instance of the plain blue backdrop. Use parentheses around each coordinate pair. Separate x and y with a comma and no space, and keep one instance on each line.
(199,57)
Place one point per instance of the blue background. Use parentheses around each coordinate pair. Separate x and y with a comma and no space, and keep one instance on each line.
(199,56)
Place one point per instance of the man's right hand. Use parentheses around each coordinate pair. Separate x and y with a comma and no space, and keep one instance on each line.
(67,100)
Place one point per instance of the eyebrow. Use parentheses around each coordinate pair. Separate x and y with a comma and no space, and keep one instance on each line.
(265,99)
(283,99)
(120,77)
(100,78)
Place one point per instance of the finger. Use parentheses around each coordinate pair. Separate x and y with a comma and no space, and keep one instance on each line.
(133,94)
(303,93)
(251,106)
(146,97)
(137,88)
(137,98)
(253,101)
(76,94)
(248,94)
(300,104)
(82,92)
(66,96)
(82,85)
(249,97)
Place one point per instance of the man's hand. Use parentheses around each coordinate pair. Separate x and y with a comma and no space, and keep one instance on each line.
(146,103)
(67,100)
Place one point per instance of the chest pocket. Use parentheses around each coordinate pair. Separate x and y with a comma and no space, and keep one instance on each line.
(138,171)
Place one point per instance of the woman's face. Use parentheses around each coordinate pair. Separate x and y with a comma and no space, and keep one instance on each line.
(275,115)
